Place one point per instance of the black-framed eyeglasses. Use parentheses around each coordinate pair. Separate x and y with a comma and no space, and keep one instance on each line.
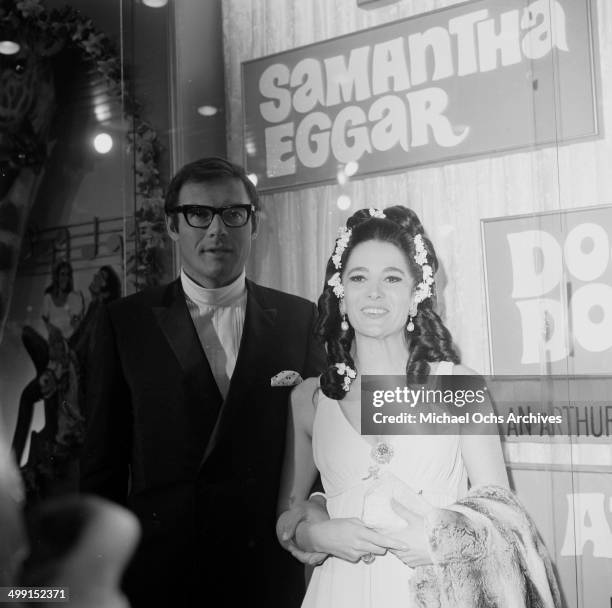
(201,216)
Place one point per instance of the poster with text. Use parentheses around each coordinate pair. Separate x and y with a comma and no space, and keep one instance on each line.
(473,79)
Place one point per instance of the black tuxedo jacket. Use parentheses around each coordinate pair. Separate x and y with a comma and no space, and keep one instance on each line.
(201,473)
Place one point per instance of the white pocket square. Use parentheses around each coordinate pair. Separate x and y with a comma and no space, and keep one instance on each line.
(286,378)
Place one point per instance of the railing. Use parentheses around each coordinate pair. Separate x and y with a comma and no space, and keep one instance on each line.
(85,245)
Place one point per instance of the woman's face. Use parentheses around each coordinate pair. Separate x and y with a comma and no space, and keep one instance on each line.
(378,289)
(98,283)
(64,278)
(103,280)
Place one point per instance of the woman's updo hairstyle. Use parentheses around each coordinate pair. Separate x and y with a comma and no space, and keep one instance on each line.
(430,341)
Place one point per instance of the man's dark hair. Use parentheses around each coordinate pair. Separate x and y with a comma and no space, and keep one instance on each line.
(205,170)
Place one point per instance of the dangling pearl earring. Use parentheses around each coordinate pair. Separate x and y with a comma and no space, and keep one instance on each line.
(412,312)
(344,326)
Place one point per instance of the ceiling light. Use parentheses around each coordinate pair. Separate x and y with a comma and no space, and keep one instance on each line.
(343,202)
(250,147)
(102,112)
(103,143)
(155,3)
(207,110)
(9,47)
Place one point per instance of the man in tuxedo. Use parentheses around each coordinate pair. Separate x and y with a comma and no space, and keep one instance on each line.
(185,424)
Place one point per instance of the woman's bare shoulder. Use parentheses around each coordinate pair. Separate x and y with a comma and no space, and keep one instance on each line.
(303,400)
(304,392)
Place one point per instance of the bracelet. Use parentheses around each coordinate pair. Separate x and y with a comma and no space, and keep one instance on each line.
(322,494)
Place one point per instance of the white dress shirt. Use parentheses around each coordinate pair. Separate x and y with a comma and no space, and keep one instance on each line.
(218,316)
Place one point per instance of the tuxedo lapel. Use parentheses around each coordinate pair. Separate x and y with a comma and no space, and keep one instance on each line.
(254,344)
(203,399)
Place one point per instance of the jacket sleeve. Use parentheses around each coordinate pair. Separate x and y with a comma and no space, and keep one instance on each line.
(104,467)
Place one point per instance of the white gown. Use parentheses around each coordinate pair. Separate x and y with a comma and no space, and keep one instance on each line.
(429,464)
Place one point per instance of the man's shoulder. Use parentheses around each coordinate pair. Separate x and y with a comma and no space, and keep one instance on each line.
(279,299)
(149,297)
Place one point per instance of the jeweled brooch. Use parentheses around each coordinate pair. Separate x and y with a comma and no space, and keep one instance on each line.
(382,453)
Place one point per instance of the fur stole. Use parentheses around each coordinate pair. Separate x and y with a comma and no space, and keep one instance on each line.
(486,553)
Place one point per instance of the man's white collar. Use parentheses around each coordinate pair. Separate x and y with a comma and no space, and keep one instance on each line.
(220,296)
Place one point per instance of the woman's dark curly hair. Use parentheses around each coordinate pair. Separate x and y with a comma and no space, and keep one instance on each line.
(430,341)
(112,290)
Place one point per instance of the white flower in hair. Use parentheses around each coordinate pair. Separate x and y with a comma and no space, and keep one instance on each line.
(420,256)
(423,291)
(377,213)
(336,282)
(344,370)
(349,374)
(344,235)
(424,288)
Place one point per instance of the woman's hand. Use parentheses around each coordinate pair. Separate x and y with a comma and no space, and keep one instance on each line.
(349,539)
(416,551)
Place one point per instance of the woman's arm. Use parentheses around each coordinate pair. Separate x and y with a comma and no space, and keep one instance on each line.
(484,461)
(299,470)
(298,474)
(482,454)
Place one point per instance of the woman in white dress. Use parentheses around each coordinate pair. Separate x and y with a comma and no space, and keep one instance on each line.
(377,317)
(62,306)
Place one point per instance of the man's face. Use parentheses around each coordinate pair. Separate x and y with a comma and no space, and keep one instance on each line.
(213,256)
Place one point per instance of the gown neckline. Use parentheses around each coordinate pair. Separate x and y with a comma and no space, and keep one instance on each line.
(336,402)
(361,437)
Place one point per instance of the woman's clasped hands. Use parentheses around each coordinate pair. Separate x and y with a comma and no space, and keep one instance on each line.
(412,536)
(310,536)
(352,540)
